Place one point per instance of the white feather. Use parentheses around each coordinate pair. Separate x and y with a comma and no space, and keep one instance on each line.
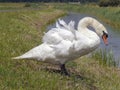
(57,25)
(63,24)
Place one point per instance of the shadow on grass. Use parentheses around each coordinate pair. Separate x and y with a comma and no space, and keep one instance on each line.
(75,76)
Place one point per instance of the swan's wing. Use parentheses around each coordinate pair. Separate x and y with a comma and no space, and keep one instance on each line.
(63,24)
(57,25)
(56,35)
(71,25)
(52,37)
(63,49)
(61,32)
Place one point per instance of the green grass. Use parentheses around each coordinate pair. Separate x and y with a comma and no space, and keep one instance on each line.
(22,30)
(105,57)
(19,32)
(5,6)
(109,15)
(22,6)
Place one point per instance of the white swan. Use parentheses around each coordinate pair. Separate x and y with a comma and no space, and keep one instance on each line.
(64,43)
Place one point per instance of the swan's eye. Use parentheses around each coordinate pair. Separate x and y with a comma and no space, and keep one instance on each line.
(105,34)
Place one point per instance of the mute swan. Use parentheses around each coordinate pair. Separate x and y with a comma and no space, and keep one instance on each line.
(63,43)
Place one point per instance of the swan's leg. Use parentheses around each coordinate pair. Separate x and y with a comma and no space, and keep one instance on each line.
(63,69)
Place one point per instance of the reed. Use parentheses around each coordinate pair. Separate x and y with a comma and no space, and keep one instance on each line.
(105,57)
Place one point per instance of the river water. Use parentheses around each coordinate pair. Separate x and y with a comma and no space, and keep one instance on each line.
(113,38)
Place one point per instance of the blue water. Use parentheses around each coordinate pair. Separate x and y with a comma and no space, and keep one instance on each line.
(113,38)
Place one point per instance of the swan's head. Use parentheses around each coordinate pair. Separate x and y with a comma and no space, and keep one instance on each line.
(99,28)
(102,32)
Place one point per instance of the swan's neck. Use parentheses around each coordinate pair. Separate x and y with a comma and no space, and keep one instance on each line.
(88,21)
(91,35)
(85,23)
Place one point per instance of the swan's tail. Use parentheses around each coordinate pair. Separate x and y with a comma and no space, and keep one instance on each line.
(19,57)
(16,57)
(28,55)
(22,57)
(35,53)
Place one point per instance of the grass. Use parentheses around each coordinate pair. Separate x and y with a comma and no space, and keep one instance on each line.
(5,6)
(19,32)
(22,6)
(22,30)
(105,57)
(110,15)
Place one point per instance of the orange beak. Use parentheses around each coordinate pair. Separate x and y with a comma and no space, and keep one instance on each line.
(104,37)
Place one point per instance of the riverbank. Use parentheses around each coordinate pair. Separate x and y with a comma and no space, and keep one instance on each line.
(109,15)
(22,30)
